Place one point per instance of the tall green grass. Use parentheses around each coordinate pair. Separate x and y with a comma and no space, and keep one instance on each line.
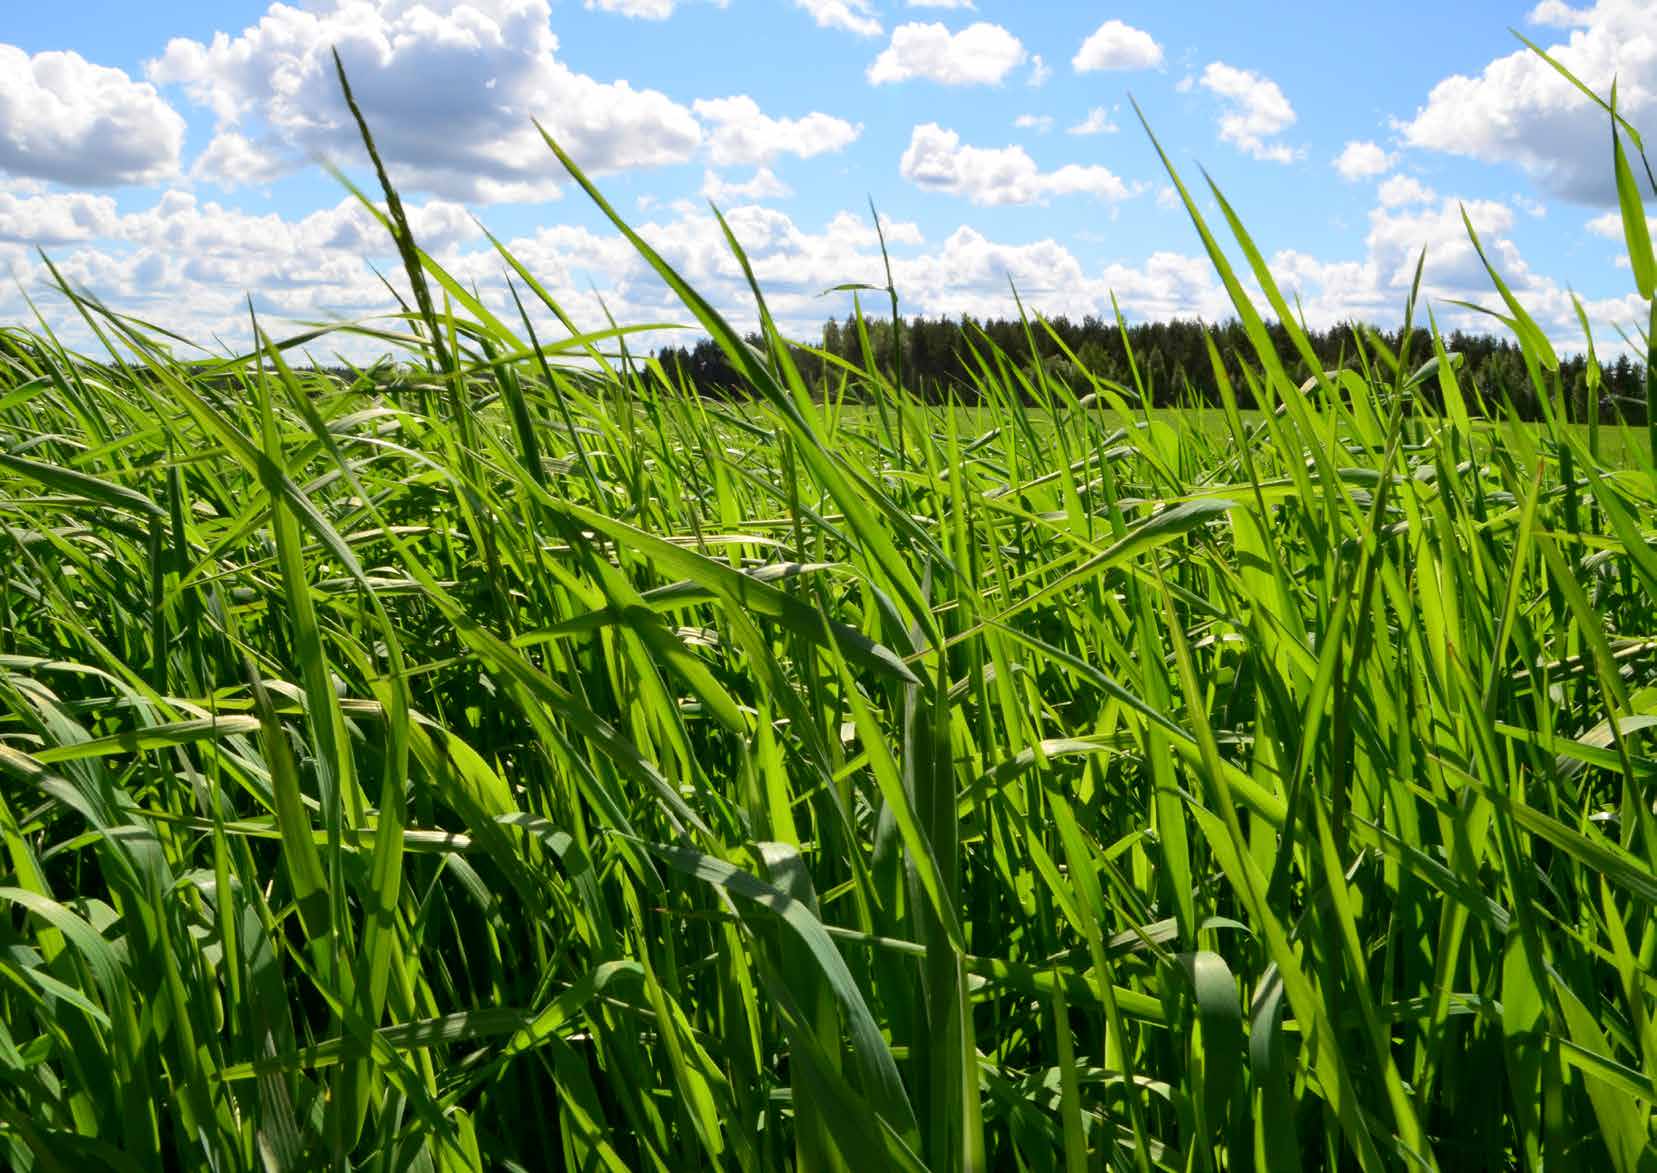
(502,758)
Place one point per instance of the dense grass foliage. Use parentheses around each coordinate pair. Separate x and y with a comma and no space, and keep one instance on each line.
(507,759)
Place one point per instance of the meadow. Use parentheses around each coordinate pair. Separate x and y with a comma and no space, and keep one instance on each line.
(500,757)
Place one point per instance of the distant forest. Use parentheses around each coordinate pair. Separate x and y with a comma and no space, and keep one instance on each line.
(939,363)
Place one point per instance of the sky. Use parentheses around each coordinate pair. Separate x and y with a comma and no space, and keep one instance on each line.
(167,157)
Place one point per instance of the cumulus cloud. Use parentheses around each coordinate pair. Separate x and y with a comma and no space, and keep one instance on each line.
(1609,225)
(1558,14)
(1039,72)
(1040,123)
(641,9)
(854,16)
(1362,159)
(189,263)
(1255,111)
(181,222)
(936,159)
(1098,121)
(65,119)
(186,261)
(1519,110)
(55,218)
(1397,190)
(971,272)
(1397,235)
(980,54)
(1409,216)
(763,186)
(743,134)
(234,160)
(860,233)
(1166,284)
(449,88)
(1114,45)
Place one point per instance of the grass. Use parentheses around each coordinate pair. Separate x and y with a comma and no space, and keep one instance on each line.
(508,760)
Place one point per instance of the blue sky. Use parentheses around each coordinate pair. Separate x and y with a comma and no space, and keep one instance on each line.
(165,155)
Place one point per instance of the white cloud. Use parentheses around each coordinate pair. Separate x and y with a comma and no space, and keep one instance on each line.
(1398,190)
(182,223)
(65,119)
(857,231)
(792,263)
(1255,111)
(965,273)
(1410,217)
(980,54)
(1039,72)
(233,160)
(1362,159)
(941,4)
(1519,110)
(763,186)
(1167,196)
(743,134)
(1609,225)
(1397,235)
(189,263)
(1098,121)
(969,274)
(186,262)
(855,16)
(1558,14)
(1040,123)
(1114,45)
(936,159)
(641,9)
(1166,285)
(449,88)
(55,218)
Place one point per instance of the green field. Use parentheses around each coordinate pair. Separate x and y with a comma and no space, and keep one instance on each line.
(506,759)
(1621,446)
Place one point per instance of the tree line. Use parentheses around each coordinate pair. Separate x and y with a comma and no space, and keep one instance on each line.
(943,359)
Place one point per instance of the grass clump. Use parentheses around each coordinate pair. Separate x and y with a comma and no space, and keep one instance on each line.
(510,760)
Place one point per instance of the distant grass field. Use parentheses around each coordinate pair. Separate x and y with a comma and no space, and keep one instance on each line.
(1619,445)
(510,760)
